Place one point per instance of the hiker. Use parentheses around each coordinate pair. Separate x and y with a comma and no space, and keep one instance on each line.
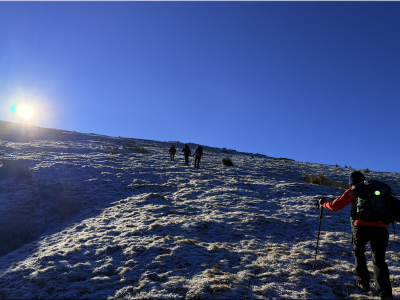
(363,232)
(172,151)
(198,152)
(186,151)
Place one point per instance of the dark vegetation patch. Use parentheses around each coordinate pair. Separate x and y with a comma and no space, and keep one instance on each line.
(12,169)
(114,150)
(323,180)
(284,159)
(226,161)
(15,232)
(135,148)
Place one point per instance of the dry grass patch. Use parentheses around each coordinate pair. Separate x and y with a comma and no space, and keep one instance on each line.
(123,270)
(218,288)
(323,180)
(186,241)
(162,256)
(135,148)
(155,226)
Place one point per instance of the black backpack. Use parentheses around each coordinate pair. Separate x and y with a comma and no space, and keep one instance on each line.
(375,202)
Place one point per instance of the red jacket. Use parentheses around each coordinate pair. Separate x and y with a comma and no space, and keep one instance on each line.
(344,200)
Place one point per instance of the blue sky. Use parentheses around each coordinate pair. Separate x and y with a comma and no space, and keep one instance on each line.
(312,81)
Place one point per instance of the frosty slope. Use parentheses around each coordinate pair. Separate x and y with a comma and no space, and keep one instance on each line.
(107,220)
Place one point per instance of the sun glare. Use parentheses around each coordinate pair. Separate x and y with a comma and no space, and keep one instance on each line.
(25,111)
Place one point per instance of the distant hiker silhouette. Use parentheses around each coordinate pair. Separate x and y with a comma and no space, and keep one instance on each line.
(373,231)
(186,151)
(172,151)
(198,152)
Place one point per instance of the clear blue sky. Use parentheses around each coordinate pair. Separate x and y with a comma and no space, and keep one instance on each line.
(312,81)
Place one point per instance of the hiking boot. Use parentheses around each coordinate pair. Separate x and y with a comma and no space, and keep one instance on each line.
(364,286)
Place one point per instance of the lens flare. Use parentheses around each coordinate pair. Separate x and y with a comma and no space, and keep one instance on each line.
(377,193)
(14,108)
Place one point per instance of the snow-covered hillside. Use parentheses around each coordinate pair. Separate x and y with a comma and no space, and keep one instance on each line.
(113,217)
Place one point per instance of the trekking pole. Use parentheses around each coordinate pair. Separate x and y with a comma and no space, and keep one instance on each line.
(394,233)
(319,228)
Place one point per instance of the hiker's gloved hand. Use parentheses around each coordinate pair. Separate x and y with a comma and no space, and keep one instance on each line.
(320,202)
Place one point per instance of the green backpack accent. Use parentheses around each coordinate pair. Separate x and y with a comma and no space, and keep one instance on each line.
(372,197)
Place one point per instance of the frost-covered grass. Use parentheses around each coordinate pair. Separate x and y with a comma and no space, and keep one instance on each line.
(146,227)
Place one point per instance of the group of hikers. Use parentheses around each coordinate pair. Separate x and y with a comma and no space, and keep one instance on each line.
(197,154)
(373,208)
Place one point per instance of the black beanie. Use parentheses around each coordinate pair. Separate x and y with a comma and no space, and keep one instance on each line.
(356,177)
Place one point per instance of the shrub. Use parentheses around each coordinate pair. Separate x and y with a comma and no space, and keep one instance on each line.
(135,148)
(114,150)
(128,146)
(226,161)
(13,169)
(323,180)
(367,170)
(140,150)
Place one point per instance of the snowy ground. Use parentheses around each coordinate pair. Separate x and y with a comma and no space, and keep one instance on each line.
(136,225)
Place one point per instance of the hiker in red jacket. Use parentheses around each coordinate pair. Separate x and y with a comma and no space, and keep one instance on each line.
(363,232)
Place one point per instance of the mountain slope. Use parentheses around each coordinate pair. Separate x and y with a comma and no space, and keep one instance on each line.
(112,217)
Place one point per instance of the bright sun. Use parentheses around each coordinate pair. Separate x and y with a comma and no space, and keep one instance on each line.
(25,111)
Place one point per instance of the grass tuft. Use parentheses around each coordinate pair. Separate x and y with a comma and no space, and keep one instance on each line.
(226,161)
